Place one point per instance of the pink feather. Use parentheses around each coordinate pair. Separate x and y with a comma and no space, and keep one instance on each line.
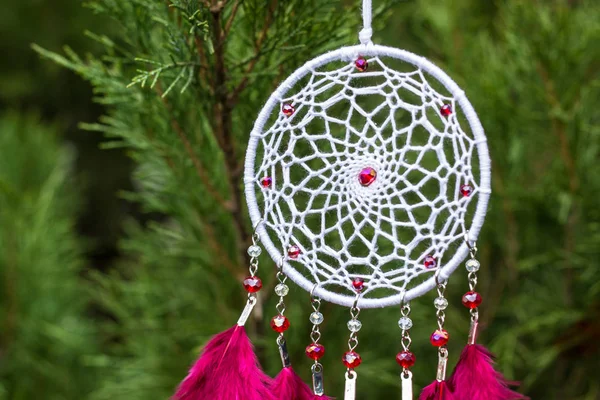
(226,370)
(289,386)
(475,378)
(437,391)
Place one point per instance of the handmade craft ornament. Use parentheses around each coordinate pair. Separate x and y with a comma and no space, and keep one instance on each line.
(474,376)
(365,171)
(376,168)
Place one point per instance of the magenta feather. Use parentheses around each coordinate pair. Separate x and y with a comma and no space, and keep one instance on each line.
(226,370)
(289,386)
(475,378)
(437,391)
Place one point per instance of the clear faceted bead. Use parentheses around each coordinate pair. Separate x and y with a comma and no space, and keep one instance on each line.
(472,265)
(405,323)
(440,303)
(316,318)
(254,251)
(354,325)
(282,290)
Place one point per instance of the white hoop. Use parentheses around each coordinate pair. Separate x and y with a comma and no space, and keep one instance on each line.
(274,102)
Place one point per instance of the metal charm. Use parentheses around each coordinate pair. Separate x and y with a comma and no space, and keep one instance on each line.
(283,352)
(407,389)
(247,310)
(350,392)
(317,379)
(442,364)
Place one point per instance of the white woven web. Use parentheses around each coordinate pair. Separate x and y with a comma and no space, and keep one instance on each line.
(345,121)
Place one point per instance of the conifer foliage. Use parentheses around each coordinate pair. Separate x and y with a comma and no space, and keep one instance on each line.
(48,346)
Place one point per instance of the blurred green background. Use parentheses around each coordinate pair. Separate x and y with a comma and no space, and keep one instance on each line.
(122,225)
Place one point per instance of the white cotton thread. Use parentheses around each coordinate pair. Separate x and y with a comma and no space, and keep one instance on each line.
(366,33)
(447,244)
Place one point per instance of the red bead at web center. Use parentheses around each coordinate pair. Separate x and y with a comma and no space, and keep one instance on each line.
(367,176)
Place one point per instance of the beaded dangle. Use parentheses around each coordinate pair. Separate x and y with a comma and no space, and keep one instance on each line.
(287,385)
(228,368)
(474,376)
(351,358)
(406,359)
(439,389)
(315,350)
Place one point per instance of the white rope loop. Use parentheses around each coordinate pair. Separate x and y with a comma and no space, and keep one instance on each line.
(314,158)
(366,33)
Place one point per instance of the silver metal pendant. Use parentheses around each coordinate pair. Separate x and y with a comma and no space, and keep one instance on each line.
(407,389)
(283,352)
(350,392)
(247,310)
(317,379)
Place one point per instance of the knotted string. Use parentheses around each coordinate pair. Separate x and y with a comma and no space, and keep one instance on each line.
(366,33)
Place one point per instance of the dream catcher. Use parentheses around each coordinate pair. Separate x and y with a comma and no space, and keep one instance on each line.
(367,179)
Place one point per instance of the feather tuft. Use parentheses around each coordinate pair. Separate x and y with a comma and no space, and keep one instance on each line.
(475,378)
(289,386)
(226,370)
(437,391)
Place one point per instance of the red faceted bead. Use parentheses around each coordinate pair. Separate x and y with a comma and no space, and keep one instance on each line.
(446,110)
(406,359)
(430,262)
(361,64)
(288,110)
(280,323)
(252,284)
(266,182)
(466,190)
(358,284)
(472,300)
(351,359)
(315,351)
(367,176)
(294,252)
(439,338)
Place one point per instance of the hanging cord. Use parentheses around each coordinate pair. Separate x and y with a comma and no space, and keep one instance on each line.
(366,33)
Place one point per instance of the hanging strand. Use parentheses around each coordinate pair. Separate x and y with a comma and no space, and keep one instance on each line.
(315,350)
(280,323)
(366,33)
(472,299)
(351,358)
(252,283)
(406,359)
